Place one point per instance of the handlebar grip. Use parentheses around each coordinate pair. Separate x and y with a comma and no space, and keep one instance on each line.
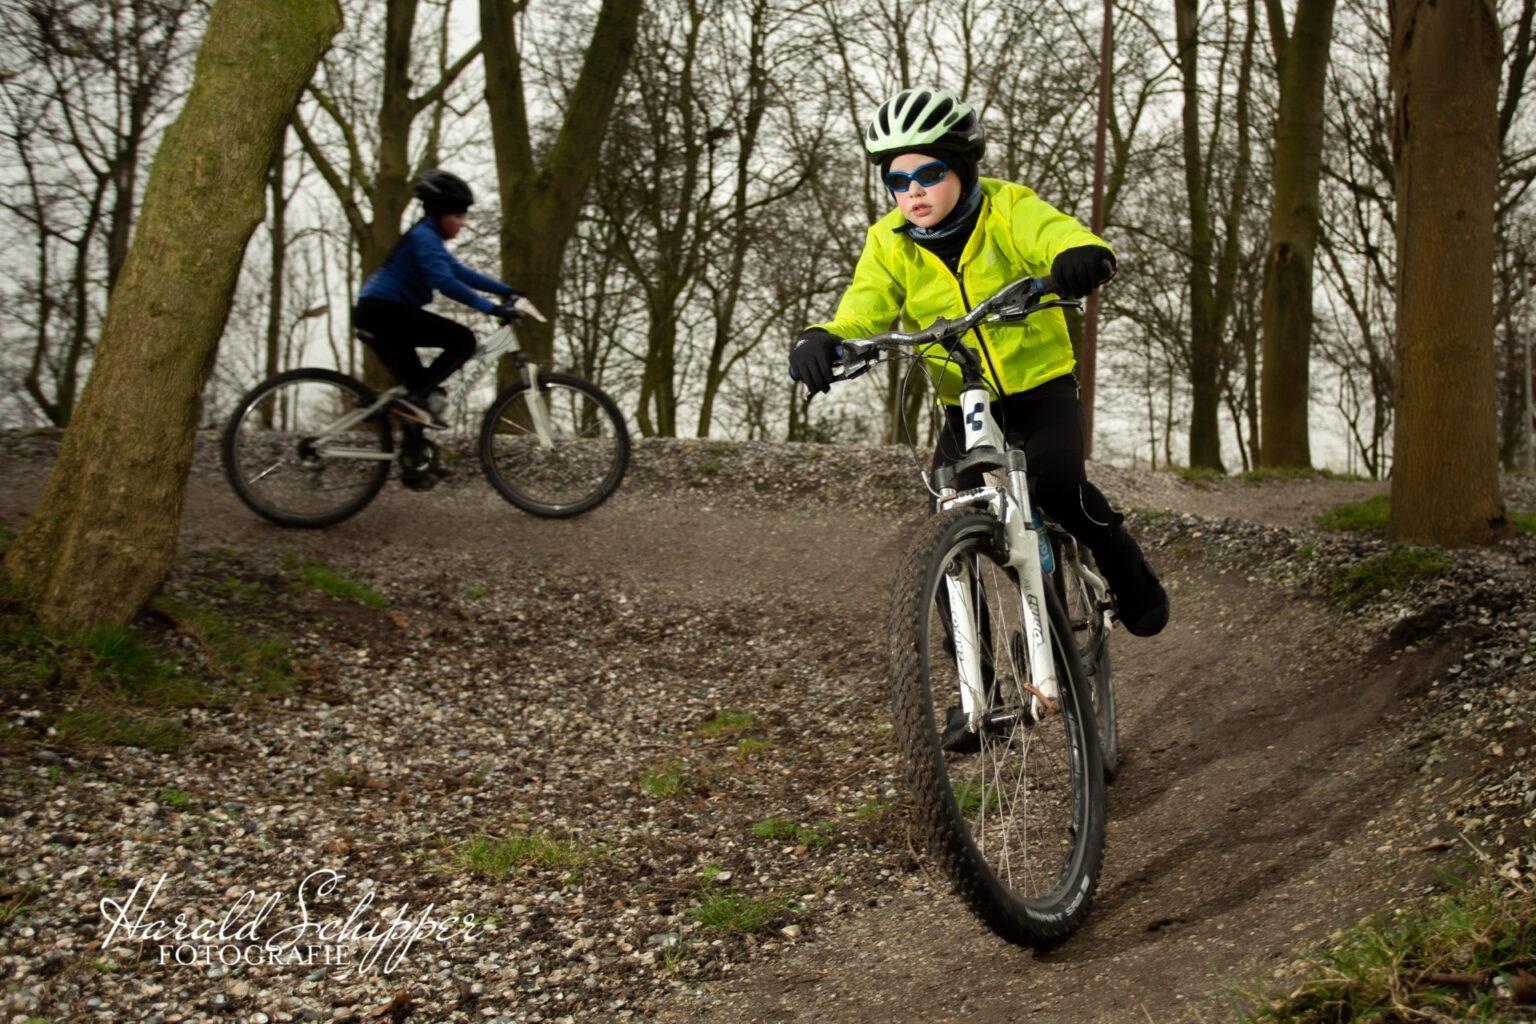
(840,352)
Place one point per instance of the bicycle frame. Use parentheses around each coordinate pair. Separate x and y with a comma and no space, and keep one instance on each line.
(502,341)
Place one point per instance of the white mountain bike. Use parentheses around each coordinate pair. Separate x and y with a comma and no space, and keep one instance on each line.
(312,447)
(1002,616)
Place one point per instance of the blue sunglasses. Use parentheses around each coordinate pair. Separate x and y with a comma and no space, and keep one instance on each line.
(928,175)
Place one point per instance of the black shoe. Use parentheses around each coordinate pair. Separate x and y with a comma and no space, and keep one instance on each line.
(418,457)
(956,737)
(1141,603)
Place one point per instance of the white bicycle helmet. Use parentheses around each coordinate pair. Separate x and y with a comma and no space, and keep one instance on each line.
(915,118)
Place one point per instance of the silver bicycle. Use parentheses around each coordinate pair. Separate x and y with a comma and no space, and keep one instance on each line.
(999,627)
(312,447)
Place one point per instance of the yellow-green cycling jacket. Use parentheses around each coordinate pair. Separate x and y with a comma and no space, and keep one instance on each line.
(1017,234)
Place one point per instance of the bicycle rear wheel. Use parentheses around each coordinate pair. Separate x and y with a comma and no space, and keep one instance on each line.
(1092,635)
(565,465)
(1018,827)
(287,462)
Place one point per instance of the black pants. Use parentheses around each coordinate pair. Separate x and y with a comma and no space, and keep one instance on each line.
(1047,421)
(395,330)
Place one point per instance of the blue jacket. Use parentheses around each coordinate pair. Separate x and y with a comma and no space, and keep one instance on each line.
(421,263)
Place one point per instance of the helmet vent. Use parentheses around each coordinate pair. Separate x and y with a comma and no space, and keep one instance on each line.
(936,115)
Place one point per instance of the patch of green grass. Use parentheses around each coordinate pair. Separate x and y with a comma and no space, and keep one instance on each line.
(476,593)
(6,537)
(737,913)
(969,794)
(1371,514)
(874,810)
(784,830)
(124,660)
(316,575)
(1305,552)
(1525,522)
(17,904)
(1198,474)
(232,648)
(1398,569)
(749,745)
(494,857)
(1151,515)
(117,725)
(710,871)
(1399,966)
(673,957)
(180,799)
(709,468)
(103,965)
(727,723)
(665,782)
(235,589)
(28,658)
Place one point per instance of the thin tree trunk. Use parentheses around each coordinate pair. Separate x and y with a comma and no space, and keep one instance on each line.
(103,534)
(279,269)
(1445,88)
(1204,341)
(1285,388)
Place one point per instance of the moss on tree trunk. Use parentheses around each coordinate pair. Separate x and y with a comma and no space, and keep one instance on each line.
(103,534)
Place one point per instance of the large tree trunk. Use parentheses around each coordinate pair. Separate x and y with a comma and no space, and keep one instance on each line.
(540,205)
(1445,88)
(1293,232)
(104,533)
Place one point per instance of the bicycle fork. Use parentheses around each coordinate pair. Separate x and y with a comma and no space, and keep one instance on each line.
(964,593)
(538,411)
(1024,558)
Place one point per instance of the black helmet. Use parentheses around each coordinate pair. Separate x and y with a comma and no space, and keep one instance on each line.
(441,192)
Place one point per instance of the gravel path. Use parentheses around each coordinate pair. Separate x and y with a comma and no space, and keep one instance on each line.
(676,703)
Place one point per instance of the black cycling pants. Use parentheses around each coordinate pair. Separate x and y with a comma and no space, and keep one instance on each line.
(395,330)
(1047,421)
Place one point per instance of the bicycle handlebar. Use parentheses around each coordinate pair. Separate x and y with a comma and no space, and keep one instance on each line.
(1014,301)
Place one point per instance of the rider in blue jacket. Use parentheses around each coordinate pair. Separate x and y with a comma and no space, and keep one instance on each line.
(389,316)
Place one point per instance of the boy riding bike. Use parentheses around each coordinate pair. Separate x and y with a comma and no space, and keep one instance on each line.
(953,240)
(390,319)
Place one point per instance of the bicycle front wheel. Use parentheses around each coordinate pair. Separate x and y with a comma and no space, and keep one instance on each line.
(557,452)
(298,451)
(1018,824)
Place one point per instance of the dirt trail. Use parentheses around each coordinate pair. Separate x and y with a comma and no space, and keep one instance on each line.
(1256,755)
(1236,832)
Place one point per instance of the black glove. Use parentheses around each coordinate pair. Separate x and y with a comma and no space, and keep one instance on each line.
(810,361)
(1080,270)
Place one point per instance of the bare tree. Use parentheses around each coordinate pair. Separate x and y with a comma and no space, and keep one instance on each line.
(548,186)
(1301,60)
(84,90)
(382,184)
